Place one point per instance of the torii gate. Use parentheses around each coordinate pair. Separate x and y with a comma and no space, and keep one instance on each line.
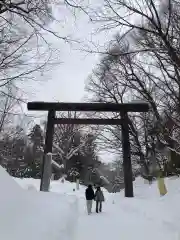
(123,109)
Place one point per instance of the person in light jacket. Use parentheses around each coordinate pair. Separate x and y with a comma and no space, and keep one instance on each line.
(99,198)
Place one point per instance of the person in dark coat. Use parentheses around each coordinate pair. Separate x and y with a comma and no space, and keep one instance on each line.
(89,198)
(99,198)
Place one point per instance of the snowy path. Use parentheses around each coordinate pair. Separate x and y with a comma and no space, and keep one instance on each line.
(120,223)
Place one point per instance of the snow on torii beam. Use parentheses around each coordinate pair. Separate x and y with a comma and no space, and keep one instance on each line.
(124,108)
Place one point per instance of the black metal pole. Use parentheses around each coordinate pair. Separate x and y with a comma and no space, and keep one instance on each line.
(48,142)
(127,166)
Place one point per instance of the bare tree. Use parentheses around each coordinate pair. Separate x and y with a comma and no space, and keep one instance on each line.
(122,77)
(25,51)
(69,139)
(9,102)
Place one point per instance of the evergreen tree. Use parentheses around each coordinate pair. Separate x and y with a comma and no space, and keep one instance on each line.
(34,153)
(12,149)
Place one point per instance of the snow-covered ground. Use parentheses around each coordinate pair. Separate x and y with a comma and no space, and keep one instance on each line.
(33,215)
(61,214)
(146,216)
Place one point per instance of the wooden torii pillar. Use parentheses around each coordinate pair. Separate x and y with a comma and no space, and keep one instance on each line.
(123,109)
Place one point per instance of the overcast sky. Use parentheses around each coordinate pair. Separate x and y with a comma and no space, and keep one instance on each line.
(66,82)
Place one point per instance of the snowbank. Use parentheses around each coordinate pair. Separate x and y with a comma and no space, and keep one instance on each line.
(35,215)
(161,214)
(56,187)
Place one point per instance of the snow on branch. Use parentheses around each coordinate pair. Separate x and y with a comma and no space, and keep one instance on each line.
(173,150)
(75,150)
(60,150)
(104,179)
(57,166)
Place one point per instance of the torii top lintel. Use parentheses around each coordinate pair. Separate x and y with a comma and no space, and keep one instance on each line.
(89,107)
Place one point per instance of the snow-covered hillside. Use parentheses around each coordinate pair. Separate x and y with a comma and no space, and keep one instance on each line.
(61,214)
